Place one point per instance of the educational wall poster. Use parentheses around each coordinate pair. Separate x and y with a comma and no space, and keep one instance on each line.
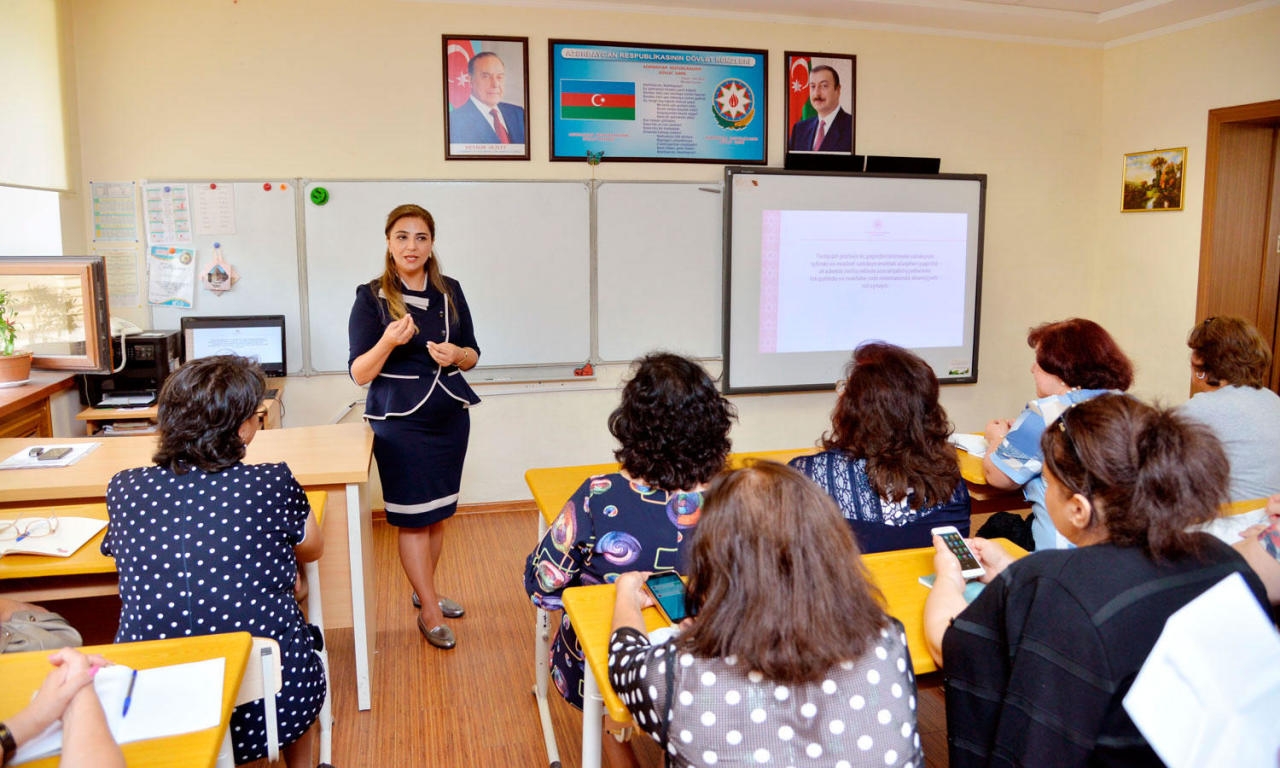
(821,89)
(486,97)
(121,260)
(168,212)
(215,208)
(115,210)
(171,276)
(639,102)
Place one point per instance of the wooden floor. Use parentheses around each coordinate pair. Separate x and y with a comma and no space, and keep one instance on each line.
(473,706)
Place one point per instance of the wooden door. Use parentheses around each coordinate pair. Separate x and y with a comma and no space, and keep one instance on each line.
(1240,233)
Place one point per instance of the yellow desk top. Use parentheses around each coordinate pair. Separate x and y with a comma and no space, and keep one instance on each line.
(89,558)
(1243,506)
(23,672)
(897,574)
(331,454)
(551,486)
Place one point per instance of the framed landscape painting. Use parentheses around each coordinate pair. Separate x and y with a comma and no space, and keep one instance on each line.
(1153,180)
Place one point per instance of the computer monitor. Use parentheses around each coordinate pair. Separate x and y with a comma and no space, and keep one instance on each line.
(258,337)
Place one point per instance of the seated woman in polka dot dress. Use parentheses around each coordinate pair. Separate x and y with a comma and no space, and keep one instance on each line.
(789,659)
(206,544)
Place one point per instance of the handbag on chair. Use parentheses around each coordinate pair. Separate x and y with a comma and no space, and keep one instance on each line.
(37,631)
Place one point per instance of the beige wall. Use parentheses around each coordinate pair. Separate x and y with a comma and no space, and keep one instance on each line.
(1157,93)
(351,88)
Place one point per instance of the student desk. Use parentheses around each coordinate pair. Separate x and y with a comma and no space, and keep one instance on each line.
(333,458)
(590,610)
(23,672)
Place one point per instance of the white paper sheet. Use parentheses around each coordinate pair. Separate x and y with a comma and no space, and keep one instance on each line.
(1209,693)
(24,460)
(974,444)
(167,701)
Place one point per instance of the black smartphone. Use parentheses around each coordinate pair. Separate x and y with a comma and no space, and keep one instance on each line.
(667,591)
(53,454)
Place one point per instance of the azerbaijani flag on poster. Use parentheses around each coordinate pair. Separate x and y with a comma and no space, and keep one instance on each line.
(597,100)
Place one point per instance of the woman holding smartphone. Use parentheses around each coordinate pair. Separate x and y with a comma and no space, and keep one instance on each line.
(1038,665)
(673,433)
(789,658)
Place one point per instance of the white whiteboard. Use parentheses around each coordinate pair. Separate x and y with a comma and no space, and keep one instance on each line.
(521,251)
(659,268)
(264,251)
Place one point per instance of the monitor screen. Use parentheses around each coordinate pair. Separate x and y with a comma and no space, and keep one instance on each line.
(257,337)
(818,263)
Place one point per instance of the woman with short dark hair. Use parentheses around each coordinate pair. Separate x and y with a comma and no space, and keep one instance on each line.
(672,428)
(1039,664)
(1229,365)
(205,543)
(789,659)
(887,462)
(1075,360)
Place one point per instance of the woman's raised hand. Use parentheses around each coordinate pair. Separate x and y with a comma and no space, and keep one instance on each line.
(400,331)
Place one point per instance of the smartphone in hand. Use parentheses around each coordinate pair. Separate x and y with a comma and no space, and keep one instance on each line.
(667,590)
(970,568)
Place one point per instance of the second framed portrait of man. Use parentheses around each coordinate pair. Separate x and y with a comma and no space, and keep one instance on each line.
(486,97)
(821,89)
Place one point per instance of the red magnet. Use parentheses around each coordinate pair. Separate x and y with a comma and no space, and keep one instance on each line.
(267,187)
(213,186)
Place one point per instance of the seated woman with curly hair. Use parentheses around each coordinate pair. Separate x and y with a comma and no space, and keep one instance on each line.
(673,430)
(887,461)
(1229,365)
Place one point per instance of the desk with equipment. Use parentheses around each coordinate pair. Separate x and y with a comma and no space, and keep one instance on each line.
(333,458)
(23,672)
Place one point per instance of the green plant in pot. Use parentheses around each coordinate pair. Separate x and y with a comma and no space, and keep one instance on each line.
(15,366)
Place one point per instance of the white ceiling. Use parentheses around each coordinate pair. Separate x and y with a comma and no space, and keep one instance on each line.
(1070,22)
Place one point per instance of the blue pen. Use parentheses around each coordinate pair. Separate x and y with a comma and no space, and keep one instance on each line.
(128,696)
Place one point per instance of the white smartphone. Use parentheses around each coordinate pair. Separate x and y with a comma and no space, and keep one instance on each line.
(970,568)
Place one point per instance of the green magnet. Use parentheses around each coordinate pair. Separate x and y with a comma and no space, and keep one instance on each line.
(319,195)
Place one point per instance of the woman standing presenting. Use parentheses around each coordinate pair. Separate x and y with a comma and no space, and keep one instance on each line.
(410,339)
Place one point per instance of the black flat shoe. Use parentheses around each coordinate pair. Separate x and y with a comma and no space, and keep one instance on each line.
(441,636)
(450,608)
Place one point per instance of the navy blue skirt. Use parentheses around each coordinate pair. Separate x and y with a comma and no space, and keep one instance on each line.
(420,460)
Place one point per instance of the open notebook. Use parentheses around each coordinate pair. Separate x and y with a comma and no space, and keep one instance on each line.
(166,701)
(71,534)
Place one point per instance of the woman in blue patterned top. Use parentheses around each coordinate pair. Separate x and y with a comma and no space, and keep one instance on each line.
(1076,360)
(673,430)
(887,462)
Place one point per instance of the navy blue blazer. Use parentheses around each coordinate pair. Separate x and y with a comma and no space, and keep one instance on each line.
(468,126)
(838,139)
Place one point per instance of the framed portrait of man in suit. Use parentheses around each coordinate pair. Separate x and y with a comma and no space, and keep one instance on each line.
(821,89)
(486,95)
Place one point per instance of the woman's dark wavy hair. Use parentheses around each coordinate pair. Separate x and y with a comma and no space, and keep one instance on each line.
(889,414)
(1230,350)
(776,578)
(202,405)
(673,423)
(1149,472)
(1082,354)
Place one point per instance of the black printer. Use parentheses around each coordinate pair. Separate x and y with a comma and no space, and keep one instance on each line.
(149,357)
